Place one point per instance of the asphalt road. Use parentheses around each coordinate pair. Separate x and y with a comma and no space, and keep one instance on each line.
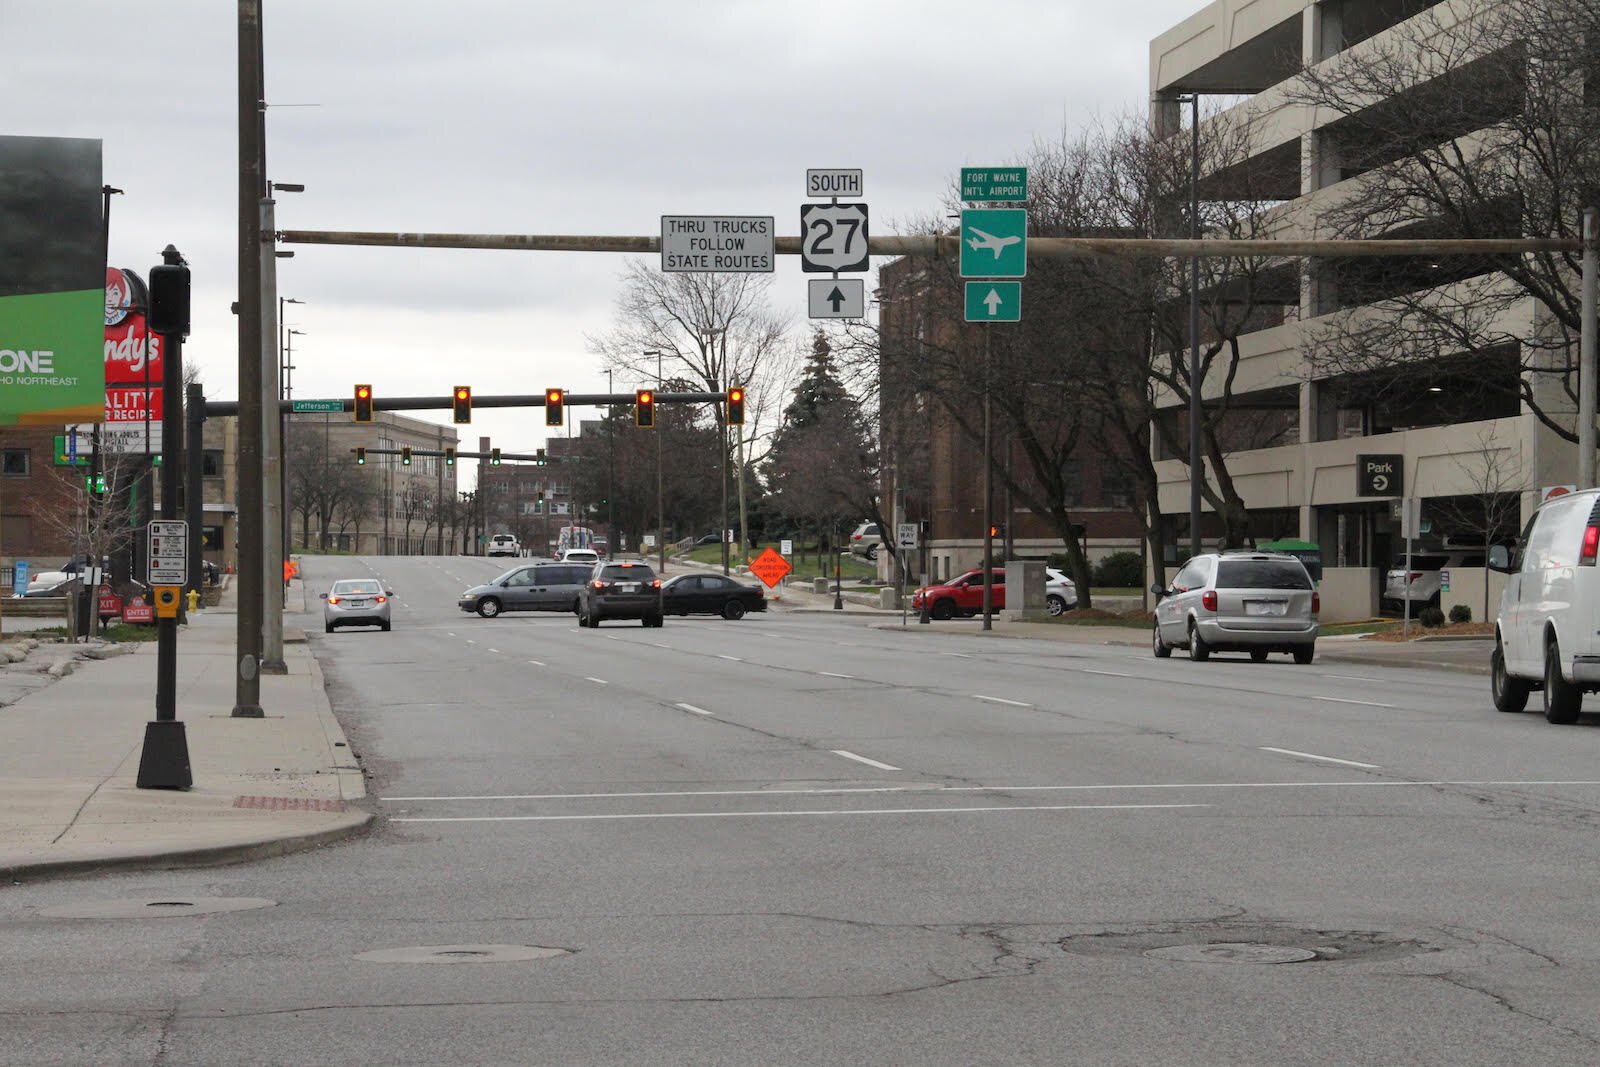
(805,839)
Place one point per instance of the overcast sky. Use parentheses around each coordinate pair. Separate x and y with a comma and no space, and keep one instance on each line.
(528,116)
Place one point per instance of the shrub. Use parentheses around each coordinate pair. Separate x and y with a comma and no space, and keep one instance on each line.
(1431,617)
(1120,570)
(1461,613)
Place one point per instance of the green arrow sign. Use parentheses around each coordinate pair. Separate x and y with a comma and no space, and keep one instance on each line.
(316,405)
(994,242)
(994,301)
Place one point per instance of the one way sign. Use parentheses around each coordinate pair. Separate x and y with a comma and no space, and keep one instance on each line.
(836,298)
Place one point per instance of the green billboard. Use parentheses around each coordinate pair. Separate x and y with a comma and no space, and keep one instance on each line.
(52,281)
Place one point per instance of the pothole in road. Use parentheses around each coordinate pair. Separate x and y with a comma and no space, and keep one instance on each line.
(159,908)
(463,954)
(1247,943)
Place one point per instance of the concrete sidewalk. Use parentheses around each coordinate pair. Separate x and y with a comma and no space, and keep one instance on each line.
(69,758)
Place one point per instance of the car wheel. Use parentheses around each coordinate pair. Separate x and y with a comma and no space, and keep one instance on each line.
(654,620)
(1303,654)
(733,611)
(1510,694)
(384,626)
(1562,699)
(1056,604)
(1258,655)
(583,620)
(944,610)
(488,607)
(594,621)
(1161,649)
(327,627)
(1199,651)
(872,553)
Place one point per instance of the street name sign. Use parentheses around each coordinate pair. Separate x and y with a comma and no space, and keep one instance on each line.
(770,567)
(834,183)
(994,301)
(737,244)
(994,242)
(833,237)
(316,405)
(836,298)
(169,552)
(996,185)
(1380,475)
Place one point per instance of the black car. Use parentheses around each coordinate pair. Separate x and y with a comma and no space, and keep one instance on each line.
(621,590)
(710,594)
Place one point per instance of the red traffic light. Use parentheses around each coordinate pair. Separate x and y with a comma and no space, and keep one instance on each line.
(363,404)
(644,408)
(736,406)
(461,409)
(554,415)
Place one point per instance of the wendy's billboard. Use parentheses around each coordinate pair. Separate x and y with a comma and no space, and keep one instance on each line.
(133,353)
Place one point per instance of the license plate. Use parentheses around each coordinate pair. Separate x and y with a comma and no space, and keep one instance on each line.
(1264,607)
(358,603)
(629,587)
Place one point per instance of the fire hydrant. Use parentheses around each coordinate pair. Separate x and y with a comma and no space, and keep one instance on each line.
(194,600)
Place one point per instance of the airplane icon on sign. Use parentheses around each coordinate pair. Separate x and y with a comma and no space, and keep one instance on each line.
(989,241)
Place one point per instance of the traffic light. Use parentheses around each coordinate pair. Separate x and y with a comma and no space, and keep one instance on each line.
(538,458)
(736,406)
(494,457)
(644,408)
(997,530)
(462,410)
(405,455)
(449,457)
(363,403)
(95,484)
(169,300)
(361,456)
(554,399)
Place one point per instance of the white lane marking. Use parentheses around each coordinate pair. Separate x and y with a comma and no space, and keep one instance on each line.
(958,655)
(1108,674)
(1353,677)
(765,634)
(1363,703)
(536,663)
(1324,759)
(612,637)
(658,644)
(452,633)
(831,674)
(470,641)
(791,814)
(862,759)
(596,681)
(1365,783)
(722,655)
(494,650)
(574,630)
(691,707)
(1001,700)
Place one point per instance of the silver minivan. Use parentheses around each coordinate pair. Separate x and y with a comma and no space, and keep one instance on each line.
(532,587)
(1547,635)
(1255,602)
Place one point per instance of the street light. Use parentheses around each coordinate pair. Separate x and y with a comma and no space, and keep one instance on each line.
(284,423)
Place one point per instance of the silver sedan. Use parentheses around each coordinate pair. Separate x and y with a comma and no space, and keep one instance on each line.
(356,602)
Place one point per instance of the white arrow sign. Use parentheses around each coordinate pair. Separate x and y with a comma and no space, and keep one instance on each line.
(836,298)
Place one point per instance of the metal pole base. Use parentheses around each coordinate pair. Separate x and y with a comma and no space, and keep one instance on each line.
(248,711)
(925,618)
(164,763)
(274,666)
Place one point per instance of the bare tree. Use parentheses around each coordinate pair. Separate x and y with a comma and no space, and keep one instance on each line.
(1470,119)
(1496,477)
(413,501)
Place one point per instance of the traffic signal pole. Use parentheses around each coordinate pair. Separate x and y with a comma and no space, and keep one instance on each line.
(988,493)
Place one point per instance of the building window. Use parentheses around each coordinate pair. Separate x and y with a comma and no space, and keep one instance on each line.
(14,462)
(211,463)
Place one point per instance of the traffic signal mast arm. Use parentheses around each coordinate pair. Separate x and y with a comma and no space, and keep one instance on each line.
(527,457)
(444,402)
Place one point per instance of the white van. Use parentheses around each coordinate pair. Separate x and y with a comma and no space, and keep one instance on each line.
(1546,633)
(580,555)
(503,545)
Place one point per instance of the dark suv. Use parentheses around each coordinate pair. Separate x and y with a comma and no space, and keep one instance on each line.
(625,590)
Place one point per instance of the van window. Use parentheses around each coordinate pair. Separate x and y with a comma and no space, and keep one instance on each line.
(1544,547)
(1261,574)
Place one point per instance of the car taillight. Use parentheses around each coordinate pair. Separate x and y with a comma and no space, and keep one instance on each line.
(598,584)
(656,584)
(381,599)
(1591,544)
(1412,576)
(331,600)
(1208,600)
(1316,603)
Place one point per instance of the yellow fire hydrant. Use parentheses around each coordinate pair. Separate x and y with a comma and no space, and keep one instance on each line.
(194,600)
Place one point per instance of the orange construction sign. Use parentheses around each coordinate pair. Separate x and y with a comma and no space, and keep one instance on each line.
(770,567)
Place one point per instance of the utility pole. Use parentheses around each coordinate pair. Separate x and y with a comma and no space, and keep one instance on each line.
(1196,408)
(988,491)
(1586,351)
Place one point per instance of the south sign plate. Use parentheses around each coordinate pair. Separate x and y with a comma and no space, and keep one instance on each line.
(835,183)
(833,237)
(737,244)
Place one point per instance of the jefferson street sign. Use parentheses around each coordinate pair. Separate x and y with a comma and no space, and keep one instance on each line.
(1380,475)
(1000,185)
(316,405)
(836,298)
(994,242)
(738,244)
(994,301)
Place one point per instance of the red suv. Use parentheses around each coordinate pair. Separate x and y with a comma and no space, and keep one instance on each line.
(961,596)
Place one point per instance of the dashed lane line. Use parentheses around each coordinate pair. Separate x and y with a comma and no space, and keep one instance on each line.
(862,759)
(1324,759)
(995,809)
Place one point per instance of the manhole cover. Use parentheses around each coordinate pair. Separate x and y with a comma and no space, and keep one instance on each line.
(157,908)
(1232,952)
(463,954)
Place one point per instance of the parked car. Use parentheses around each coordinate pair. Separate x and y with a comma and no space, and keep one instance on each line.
(961,596)
(710,594)
(1544,635)
(530,587)
(1423,583)
(49,583)
(580,555)
(1255,602)
(503,544)
(866,540)
(625,590)
(707,539)
(1060,592)
(356,602)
